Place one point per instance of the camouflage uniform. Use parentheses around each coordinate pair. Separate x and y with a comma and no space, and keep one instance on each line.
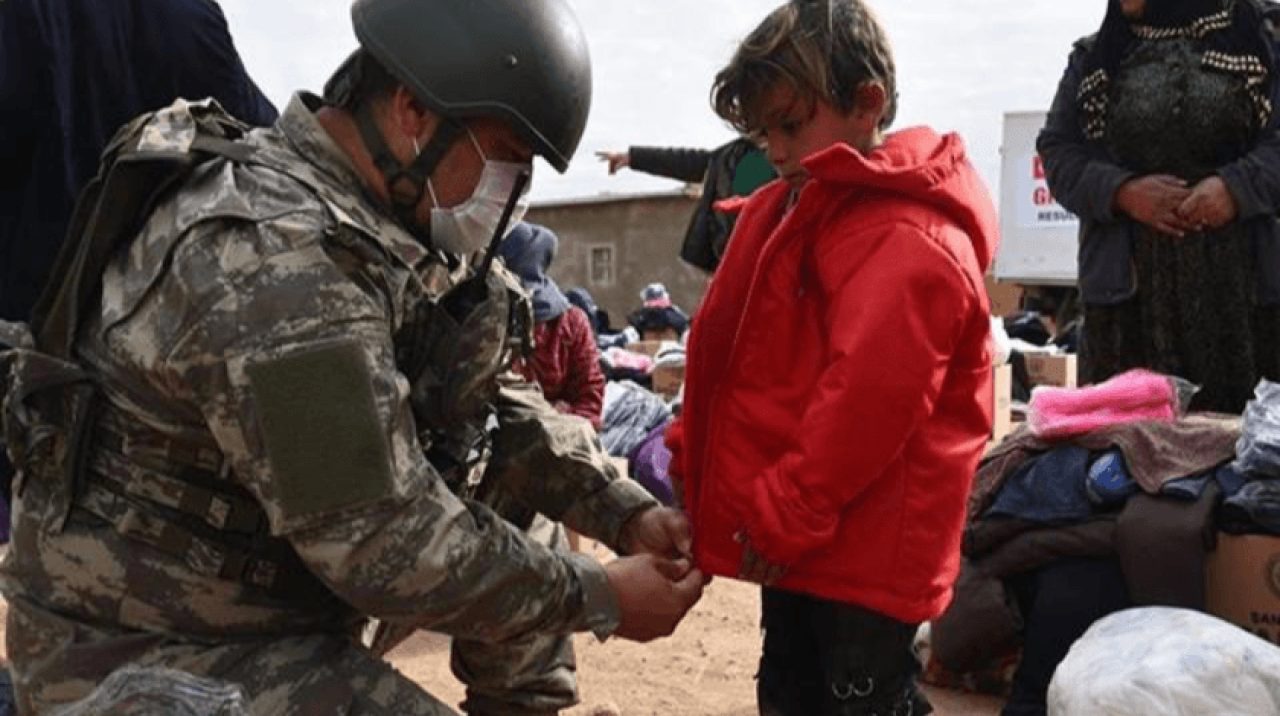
(257,484)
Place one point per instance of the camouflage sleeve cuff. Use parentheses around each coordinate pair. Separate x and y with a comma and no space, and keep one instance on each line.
(601,614)
(602,514)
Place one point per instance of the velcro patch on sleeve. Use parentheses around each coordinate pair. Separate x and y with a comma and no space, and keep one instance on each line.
(320,424)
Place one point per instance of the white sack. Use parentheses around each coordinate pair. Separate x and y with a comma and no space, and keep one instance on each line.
(1171,662)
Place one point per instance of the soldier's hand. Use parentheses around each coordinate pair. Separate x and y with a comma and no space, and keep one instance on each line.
(1154,200)
(658,530)
(653,593)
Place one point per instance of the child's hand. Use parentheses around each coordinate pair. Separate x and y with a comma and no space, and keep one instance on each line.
(754,568)
(660,531)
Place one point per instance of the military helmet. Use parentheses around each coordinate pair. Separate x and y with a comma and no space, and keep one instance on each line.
(523,61)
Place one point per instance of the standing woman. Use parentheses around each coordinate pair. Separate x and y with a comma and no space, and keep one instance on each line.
(1162,139)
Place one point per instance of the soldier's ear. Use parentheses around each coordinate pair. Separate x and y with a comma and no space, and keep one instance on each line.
(410,118)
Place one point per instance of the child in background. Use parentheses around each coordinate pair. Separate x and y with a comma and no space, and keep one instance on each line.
(658,318)
(837,397)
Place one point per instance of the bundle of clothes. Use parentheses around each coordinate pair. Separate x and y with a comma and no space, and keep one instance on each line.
(1116,470)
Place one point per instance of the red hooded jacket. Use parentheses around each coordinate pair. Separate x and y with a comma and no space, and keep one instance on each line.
(838,392)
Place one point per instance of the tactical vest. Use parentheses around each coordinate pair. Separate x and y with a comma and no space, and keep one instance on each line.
(59,431)
(452,349)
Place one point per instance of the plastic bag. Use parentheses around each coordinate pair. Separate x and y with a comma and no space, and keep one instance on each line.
(1133,396)
(1258,449)
(1160,660)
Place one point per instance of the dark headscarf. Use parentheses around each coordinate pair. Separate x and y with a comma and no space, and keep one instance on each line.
(581,298)
(1232,28)
(528,251)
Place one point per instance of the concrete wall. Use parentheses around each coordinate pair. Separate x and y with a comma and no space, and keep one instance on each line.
(643,234)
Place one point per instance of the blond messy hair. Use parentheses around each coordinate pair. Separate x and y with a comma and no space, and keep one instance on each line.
(824,49)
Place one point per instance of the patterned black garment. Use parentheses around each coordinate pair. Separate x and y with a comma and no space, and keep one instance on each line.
(1194,314)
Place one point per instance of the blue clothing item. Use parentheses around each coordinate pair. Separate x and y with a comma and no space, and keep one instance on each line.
(1187,488)
(71,73)
(1258,449)
(1254,508)
(630,414)
(528,251)
(1191,487)
(1108,480)
(581,298)
(8,704)
(1048,488)
(1229,479)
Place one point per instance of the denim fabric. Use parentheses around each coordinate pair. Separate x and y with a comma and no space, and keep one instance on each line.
(1049,488)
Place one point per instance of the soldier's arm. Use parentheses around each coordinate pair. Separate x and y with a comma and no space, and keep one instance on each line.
(292,365)
(556,464)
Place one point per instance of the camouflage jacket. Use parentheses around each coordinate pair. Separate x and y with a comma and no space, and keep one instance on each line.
(244,345)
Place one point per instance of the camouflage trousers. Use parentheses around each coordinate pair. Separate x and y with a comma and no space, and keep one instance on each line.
(536,675)
(56,661)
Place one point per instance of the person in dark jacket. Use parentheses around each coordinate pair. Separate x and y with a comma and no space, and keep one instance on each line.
(1163,140)
(71,73)
(734,169)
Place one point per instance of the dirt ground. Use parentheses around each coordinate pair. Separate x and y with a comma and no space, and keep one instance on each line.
(704,669)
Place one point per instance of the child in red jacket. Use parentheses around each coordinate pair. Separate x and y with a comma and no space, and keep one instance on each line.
(839,370)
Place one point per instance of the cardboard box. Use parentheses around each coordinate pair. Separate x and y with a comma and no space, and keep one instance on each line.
(1006,298)
(667,379)
(1048,369)
(1242,583)
(1002,399)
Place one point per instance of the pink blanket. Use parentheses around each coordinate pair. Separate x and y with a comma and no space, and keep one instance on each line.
(1134,396)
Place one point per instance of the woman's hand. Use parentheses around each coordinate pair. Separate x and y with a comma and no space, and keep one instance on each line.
(1155,200)
(1209,205)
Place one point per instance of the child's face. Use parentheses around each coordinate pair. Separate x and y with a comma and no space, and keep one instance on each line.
(793,127)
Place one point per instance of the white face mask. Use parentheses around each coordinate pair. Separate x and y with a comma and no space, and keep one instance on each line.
(469,226)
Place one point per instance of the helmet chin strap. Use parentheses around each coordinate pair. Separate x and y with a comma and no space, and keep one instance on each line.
(406,183)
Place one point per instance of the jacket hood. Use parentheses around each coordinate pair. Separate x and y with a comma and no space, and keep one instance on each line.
(930,168)
(528,251)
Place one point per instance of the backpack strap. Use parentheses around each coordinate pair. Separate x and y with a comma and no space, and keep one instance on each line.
(113,208)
